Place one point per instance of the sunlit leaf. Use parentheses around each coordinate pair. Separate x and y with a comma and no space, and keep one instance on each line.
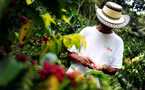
(138,58)
(53,83)
(29,2)
(66,19)
(24,31)
(47,19)
(64,10)
(17,35)
(53,45)
(74,39)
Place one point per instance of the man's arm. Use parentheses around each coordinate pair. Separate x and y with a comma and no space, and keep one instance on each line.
(106,69)
(88,63)
(79,59)
(109,70)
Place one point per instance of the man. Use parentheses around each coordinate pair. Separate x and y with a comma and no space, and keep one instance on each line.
(104,50)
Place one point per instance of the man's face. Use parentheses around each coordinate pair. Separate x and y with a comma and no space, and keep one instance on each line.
(106,27)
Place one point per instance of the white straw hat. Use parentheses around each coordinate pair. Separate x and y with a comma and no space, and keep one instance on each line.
(111,15)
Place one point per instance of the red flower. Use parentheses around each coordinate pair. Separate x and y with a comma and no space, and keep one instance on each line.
(21,57)
(72,76)
(42,74)
(34,62)
(51,69)
(45,39)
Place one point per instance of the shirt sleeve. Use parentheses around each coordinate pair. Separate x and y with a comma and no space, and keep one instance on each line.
(118,56)
(85,31)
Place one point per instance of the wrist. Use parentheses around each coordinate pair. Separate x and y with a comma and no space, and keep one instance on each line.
(104,67)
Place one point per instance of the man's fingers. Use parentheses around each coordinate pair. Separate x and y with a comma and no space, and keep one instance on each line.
(89,60)
(85,62)
(98,67)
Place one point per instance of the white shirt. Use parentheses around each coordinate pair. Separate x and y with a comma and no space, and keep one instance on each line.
(101,48)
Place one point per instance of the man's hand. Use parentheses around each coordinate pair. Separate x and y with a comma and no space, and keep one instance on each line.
(86,61)
(97,67)
(106,69)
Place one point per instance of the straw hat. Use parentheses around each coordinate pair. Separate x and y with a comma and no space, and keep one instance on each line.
(111,15)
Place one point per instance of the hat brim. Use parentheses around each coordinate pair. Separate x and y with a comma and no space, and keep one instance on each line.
(113,23)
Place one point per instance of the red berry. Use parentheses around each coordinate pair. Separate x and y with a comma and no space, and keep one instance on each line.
(45,39)
(21,57)
(52,69)
(34,62)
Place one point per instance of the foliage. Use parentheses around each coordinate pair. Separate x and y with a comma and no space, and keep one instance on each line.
(74,39)
(131,77)
(12,67)
(4,4)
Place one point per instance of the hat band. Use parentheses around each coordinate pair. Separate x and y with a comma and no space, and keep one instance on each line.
(111,13)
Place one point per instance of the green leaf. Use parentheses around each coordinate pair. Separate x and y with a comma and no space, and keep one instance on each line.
(47,19)
(17,35)
(66,19)
(3,5)
(9,72)
(98,74)
(74,39)
(29,2)
(65,84)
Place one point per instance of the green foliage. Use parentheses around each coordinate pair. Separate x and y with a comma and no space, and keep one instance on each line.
(9,70)
(74,39)
(3,6)
(132,75)
(132,44)
(102,79)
